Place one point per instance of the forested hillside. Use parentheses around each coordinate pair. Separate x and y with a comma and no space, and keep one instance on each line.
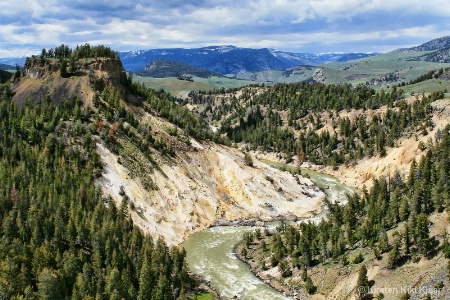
(399,206)
(4,75)
(388,227)
(60,238)
(305,120)
(75,131)
(89,159)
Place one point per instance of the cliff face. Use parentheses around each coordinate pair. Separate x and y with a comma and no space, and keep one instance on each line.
(41,79)
(38,69)
(207,185)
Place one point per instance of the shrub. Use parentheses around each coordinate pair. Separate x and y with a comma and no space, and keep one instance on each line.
(358,258)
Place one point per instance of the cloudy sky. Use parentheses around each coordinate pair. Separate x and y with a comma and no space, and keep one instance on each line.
(313,26)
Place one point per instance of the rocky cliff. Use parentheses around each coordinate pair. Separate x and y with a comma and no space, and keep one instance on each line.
(207,185)
(41,79)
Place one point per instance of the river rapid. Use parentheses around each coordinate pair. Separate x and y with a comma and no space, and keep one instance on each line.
(210,252)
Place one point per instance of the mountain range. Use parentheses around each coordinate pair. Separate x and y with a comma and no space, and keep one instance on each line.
(433,45)
(221,60)
(231,59)
(6,67)
(11,62)
(227,60)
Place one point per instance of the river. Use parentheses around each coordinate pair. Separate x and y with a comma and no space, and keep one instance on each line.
(210,252)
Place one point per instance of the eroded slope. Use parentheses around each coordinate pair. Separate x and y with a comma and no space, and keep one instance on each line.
(209,184)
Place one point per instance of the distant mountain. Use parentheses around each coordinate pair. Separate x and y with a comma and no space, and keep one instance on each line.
(6,67)
(230,59)
(291,59)
(433,45)
(296,59)
(168,68)
(439,50)
(242,60)
(439,56)
(12,61)
(220,59)
(355,56)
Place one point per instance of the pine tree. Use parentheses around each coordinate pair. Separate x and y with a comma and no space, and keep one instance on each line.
(404,209)
(146,280)
(284,268)
(394,254)
(381,143)
(63,68)
(422,234)
(113,284)
(182,295)
(393,210)
(72,65)
(49,286)
(363,282)
(248,159)
(383,242)
(309,286)
(405,239)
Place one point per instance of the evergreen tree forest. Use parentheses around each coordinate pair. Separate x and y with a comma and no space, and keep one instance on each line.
(4,76)
(59,237)
(429,75)
(83,51)
(286,118)
(365,220)
(166,106)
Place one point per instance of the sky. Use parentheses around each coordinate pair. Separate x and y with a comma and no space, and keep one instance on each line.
(311,26)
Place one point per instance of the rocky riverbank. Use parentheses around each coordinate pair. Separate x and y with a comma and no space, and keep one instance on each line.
(258,222)
(206,288)
(272,281)
(416,274)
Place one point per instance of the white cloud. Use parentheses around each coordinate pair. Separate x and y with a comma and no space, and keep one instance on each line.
(283,24)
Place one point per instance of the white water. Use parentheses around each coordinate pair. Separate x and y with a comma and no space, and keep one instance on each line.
(210,252)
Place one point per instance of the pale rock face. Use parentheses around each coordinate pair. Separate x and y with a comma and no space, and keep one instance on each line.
(209,185)
(41,79)
(319,76)
(32,74)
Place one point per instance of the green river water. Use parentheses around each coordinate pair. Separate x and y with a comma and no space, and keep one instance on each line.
(210,252)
